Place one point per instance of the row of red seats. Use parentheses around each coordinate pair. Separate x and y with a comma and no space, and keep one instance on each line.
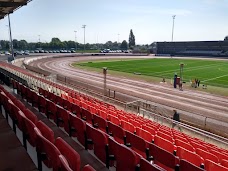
(137,143)
(86,132)
(59,154)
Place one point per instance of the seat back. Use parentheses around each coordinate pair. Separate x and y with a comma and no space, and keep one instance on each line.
(72,157)
(164,144)
(190,156)
(29,130)
(162,157)
(224,163)
(147,166)
(77,128)
(49,149)
(100,123)
(117,132)
(126,160)
(145,135)
(187,166)
(149,129)
(207,155)
(75,109)
(30,115)
(138,144)
(114,119)
(128,126)
(212,166)
(64,164)
(165,136)
(184,145)
(87,116)
(100,142)
(46,131)
(199,146)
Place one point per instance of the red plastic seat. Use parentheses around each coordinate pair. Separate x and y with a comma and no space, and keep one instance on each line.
(149,129)
(45,131)
(117,132)
(35,99)
(187,166)
(220,155)
(92,109)
(163,158)
(77,128)
(126,159)
(166,136)
(197,145)
(128,126)
(224,163)
(29,131)
(42,104)
(44,146)
(102,114)
(87,116)
(185,145)
(212,166)
(99,141)
(123,118)
(165,144)
(100,123)
(62,118)
(147,166)
(207,155)
(88,168)
(145,135)
(52,97)
(135,123)
(59,100)
(30,115)
(72,157)
(67,105)
(76,110)
(190,156)
(64,164)
(137,144)
(114,119)
(51,110)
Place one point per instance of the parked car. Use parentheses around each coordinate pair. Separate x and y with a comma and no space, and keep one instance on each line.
(26,52)
(37,51)
(7,53)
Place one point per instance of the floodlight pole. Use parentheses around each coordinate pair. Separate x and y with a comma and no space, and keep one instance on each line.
(75,40)
(39,41)
(11,40)
(174,16)
(84,26)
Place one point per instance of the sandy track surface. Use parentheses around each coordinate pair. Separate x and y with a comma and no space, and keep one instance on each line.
(212,106)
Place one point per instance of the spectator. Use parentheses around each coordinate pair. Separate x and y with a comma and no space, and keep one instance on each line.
(176,117)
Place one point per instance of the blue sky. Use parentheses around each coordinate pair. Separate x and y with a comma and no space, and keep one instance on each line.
(151,20)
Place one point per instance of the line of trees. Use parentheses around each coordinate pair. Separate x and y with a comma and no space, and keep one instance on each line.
(56,44)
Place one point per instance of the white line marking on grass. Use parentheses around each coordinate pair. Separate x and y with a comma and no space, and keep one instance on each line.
(215,78)
(190,68)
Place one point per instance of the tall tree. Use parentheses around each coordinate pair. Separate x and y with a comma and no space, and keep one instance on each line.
(131,40)
(124,45)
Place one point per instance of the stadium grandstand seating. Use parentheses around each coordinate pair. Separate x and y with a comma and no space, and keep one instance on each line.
(118,139)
